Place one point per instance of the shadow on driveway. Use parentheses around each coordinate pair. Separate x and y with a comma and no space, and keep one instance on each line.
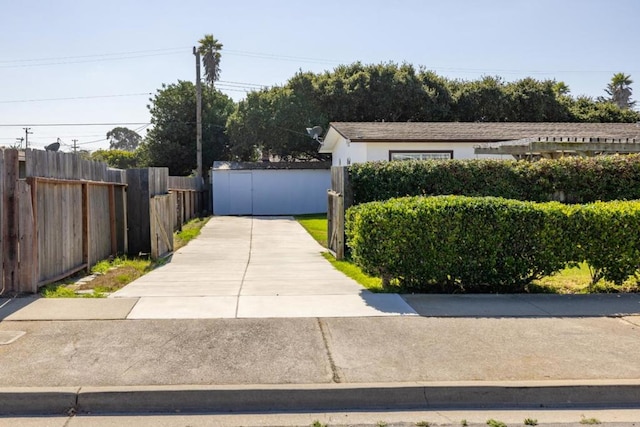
(525,305)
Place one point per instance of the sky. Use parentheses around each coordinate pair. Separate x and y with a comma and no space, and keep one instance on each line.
(72,63)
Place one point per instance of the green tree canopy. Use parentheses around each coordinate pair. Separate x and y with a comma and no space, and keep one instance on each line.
(585,109)
(272,122)
(172,140)
(120,159)
(122,138)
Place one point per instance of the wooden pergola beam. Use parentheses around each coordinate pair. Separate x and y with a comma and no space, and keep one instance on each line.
(545,147)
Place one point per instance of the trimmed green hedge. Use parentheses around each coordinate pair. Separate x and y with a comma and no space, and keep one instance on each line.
(571,179)
(487,244)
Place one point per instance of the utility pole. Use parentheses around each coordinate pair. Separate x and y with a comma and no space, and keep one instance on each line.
(26,137)
(21,140)
(75,145)
(198,113)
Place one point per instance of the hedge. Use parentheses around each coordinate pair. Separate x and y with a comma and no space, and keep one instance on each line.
(570,179)
(487,244)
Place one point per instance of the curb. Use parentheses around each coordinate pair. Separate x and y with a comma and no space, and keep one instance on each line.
(37,400)
(321,397)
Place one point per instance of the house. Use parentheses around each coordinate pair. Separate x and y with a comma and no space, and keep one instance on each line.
(357,142)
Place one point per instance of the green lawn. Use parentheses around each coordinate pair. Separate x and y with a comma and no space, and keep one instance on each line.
(316,225)
(574,280)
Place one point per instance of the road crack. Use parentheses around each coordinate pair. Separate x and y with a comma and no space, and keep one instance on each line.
(336,377)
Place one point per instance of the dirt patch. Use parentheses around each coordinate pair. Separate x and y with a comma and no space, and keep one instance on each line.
(112,280)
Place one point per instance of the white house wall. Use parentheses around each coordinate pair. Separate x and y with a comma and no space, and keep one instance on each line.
(347,153)
(270,191)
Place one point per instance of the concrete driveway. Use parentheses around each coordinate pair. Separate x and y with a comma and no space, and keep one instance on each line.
(253,267)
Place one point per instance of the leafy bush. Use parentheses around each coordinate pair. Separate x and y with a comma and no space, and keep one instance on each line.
(458,243)
(570,179)
(608,236)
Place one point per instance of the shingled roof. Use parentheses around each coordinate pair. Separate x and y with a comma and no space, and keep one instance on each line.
(479,132)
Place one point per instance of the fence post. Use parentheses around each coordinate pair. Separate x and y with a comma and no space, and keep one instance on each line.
(10,221)
(86,258)
(112,220)
(341,184)
(28,268)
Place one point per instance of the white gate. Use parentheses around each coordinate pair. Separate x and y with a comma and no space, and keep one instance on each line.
(270,191)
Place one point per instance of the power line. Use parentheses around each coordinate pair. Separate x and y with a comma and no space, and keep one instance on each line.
(58,58)
(88,60)
(75,124)
(76,97)
(240,83)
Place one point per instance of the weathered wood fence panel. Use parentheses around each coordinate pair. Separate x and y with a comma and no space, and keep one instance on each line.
(190,200)
(335,224)
(58,224)
(162,220)
(340,198)
(150,224)
(75,212)
(60,214)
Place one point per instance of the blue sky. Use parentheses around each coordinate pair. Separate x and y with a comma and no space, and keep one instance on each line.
(109,54)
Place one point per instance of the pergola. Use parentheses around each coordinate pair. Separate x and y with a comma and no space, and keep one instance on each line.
(555,147)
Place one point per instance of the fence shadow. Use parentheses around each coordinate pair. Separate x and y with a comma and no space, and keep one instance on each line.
(9,306)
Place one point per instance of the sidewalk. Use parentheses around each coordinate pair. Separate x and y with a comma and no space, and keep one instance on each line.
(320,364)
(278,337)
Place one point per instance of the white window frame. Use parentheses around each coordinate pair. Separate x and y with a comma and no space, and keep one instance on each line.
(403,155)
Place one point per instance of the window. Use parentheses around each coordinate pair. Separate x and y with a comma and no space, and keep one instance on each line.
(421,155)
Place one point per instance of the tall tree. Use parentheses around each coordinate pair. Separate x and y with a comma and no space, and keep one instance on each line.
(171,142)
(271,123)
(121,159)
(122,138)
(481,100)
(585,109)
(620,91)
(209,50)
(531,100)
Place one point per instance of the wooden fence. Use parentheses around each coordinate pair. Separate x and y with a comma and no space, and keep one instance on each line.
(60,214)
(190,198)
(163,203)
(340,198)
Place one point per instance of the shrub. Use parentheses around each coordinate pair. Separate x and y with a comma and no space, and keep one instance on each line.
(571,179)
(608,236)
(452,243)
(487,244)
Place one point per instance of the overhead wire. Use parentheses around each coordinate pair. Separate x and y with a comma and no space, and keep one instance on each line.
(77,97)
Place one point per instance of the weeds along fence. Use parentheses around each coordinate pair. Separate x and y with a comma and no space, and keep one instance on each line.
(61,214)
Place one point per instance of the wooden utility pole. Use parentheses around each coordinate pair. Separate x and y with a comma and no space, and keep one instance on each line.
(26,137)
(198,113)
(75,145)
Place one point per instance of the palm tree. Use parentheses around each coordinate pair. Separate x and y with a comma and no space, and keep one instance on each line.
(560,88)
(620,91)
(209,50)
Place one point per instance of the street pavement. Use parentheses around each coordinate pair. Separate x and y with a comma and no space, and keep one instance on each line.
(243,321)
